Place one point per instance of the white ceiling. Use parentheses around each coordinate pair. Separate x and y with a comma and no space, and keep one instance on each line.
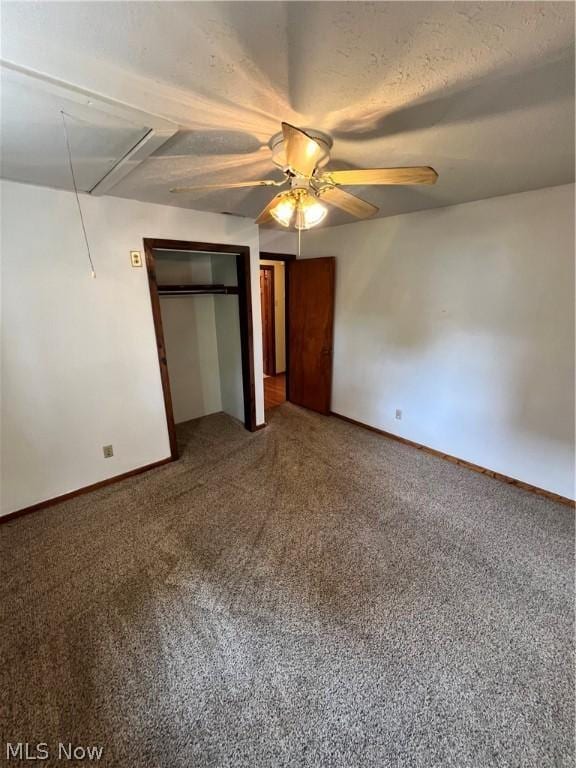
(484,92)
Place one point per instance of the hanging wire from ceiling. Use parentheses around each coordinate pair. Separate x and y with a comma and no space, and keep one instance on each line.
(92,270)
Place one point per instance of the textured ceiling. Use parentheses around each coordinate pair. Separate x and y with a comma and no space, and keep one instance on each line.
(484,92)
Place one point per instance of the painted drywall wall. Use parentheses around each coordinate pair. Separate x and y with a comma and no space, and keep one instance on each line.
(278,241)
(181,267)
(279,312)
(463,318)
(192,355)
(189,325)
(80,367)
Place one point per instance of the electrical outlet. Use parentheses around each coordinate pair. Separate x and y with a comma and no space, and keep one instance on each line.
(398,413)
(108,451)
(136,258)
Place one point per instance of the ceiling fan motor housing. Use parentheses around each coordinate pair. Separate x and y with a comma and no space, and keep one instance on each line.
(276,144)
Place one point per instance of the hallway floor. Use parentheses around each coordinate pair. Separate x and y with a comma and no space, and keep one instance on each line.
(274,390)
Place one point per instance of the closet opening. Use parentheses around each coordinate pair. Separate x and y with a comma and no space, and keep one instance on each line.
(275,326)
(202,312)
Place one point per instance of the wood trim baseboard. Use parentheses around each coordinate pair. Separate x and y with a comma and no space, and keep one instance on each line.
(462,462)
(81,491)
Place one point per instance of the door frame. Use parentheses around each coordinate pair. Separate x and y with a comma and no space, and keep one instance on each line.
(270,269)
(242,253)
(284,257)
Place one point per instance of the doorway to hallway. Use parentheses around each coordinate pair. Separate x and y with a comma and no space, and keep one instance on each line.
(274,390)
(297,299)
(273,290)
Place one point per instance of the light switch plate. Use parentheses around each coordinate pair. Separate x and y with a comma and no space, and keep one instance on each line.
(136,258)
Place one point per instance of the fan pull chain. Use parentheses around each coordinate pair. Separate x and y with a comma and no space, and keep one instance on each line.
(92,270)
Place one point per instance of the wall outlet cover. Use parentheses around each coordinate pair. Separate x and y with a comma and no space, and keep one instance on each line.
(398,413)
(136,258)
(108,451)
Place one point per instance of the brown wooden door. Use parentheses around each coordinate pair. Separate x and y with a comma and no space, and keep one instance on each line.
(310,329)
(268,324)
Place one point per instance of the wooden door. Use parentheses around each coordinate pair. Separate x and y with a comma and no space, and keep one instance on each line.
(268,324)
(310,330)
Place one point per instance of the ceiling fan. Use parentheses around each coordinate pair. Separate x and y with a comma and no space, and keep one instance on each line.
(302,155)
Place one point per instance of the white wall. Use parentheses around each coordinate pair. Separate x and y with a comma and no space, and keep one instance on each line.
(189,325)
(279,312)
(80,367)
(463,318)
(279,240)
(182,267)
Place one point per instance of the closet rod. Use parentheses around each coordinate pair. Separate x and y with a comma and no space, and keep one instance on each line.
(192,290)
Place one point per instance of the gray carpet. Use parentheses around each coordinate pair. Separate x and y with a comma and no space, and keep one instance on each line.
(309,595)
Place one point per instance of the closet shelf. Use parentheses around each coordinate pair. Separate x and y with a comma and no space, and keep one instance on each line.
(194,290)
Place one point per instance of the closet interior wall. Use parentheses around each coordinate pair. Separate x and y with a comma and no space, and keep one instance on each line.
(202,335)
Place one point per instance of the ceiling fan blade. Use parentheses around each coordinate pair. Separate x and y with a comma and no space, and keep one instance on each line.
(302,152)
(419,175)
(347,202)
(265,214)
(233,185)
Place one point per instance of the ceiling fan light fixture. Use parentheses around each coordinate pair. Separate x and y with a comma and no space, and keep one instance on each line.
(309,212)
(284,209)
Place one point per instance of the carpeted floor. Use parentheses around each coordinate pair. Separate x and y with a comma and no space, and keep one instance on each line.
(309,595)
